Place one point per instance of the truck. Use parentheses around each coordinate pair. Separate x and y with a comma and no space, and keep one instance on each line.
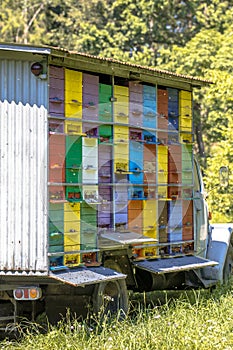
(101,193)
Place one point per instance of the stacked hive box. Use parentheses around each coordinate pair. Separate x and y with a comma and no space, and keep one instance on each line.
(162,174)
(149,166)
(119,158)
(73,167)
(187,210)
(149,107)
(90,194)
(56,91)
(162,221)
(135,217)
(56,232)
(185,119)
(56,141)
(72,233)
(174,171)
(175,221)
(56,166)
(105,155)
(162,137)
(73,109)
(105,177)
(90,169)
(121,106)
(187,181)
(162,113)
(173,115)
(105,105)
(150,224)
(163,171)
(136,191)
(90,97)
(135,104)
(73,101)
(121,148)
(90,104)
(88,227)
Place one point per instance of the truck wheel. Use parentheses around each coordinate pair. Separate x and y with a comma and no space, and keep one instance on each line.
(228,266)
(111,297)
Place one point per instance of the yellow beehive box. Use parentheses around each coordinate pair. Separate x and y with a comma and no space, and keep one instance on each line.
(121,148)
(150,218)
(162,177)
(151,252)
(186,138)
(162,192)
(73,77)
(73,128)
(162,154)
(71,233)
(121,113)
(185,104)
(72,221)
(72,259)
(121,90)
(185,95)
(186,124)
(73,94)
(121,165)
(121,133)
(121,105)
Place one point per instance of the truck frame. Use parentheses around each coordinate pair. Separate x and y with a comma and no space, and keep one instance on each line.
(100,189)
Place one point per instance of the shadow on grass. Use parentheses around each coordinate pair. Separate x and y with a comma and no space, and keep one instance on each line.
(161,298)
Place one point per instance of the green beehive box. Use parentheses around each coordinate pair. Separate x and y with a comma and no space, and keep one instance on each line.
(88,240)
(73,151)
(105,130)
(74,194)
(56,227)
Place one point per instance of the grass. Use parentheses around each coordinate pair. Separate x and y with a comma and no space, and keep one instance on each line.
(195,320)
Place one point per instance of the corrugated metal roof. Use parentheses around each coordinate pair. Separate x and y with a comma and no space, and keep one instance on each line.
(26,48)
(56,51)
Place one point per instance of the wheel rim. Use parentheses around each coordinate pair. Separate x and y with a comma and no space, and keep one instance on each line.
(111,298)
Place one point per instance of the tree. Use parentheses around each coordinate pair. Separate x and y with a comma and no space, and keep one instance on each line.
(23,21)
(210,58)
(123,29)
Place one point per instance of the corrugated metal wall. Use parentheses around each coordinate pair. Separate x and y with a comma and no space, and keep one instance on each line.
(23,168)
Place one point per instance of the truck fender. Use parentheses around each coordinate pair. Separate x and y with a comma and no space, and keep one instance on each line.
(220,250)
(111,298)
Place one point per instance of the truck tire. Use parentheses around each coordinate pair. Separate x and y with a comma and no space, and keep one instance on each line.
(228,265)
(111,297)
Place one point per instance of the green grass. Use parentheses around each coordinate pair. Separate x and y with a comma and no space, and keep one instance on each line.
(194,320)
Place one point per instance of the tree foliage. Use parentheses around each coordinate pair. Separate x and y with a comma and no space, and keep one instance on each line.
(23,21)
(193,37)
(208,55)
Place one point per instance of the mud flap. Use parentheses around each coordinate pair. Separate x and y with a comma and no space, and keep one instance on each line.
(185,263)
(82,276)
